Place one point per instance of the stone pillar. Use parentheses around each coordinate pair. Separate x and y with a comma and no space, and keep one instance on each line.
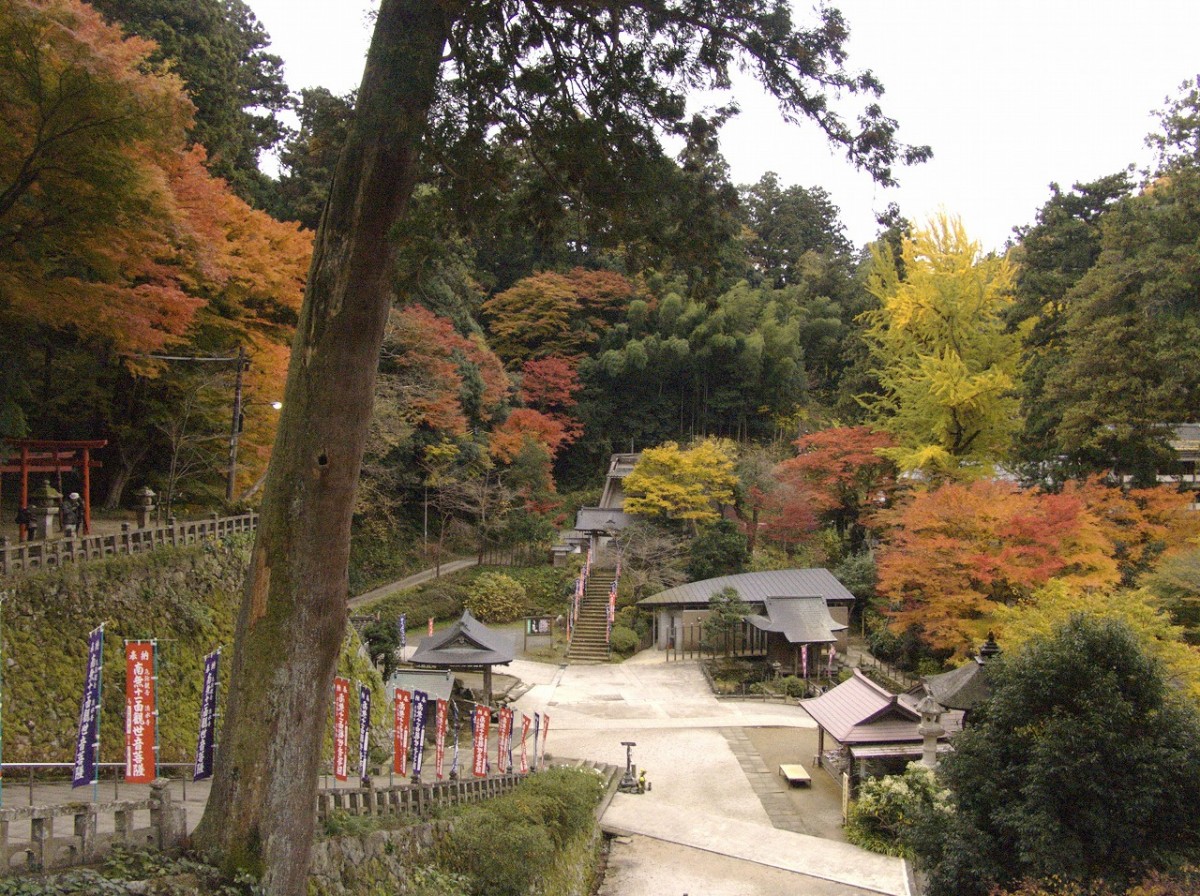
(145,499)
(45,507)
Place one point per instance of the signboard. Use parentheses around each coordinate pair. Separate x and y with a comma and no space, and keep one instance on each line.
(525,722)
(364,729)
(482,720)
(504,741)
(443,712)
(420,703)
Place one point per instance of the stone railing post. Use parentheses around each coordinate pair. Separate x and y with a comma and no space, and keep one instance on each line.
(121,822)
(38,834)
(85,830)
(168,821)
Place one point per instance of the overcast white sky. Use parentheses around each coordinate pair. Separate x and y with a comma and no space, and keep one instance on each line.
(1011,95)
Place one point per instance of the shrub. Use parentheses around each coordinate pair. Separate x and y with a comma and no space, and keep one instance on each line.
(887,810)
(547,588)
(788,686)
(499,859)
(503,846)
(623,641)
(433,881)
(495,597)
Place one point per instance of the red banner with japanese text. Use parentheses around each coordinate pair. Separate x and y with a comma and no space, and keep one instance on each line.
(341,728)
(481,722)
(140,713)
(402,721)
(439,742)
(525,722)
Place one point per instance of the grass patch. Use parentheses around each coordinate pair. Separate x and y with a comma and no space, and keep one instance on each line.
(547,591)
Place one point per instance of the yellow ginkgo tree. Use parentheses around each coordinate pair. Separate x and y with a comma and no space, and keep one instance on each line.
(684,484)
(946,363)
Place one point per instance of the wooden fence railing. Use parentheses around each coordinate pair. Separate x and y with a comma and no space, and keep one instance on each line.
(412,799)
(49,553)
(535,555)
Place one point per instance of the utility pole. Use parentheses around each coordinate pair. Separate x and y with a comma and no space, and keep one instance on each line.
(235,427)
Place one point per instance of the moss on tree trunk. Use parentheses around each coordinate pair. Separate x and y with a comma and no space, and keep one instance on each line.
(260,815)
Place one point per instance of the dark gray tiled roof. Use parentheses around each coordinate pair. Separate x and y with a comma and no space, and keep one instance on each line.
(756,587)
(961,688)
(859,711)
(1185,437)
(802,620)
(466,643)
(600,519)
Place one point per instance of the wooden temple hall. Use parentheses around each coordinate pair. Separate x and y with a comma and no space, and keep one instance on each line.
(797,623)
(863,729)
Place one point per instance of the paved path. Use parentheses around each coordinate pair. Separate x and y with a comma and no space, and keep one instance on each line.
(704,827)
(411,582)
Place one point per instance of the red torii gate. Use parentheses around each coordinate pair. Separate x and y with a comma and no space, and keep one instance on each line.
(54,456)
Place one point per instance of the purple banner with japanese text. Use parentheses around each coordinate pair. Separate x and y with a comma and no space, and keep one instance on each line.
(364,729)
(87,741)
(420,703)
(206,741)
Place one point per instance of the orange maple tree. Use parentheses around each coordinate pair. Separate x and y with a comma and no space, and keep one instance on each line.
(550,384)
(954,553)
(426,359)
(87,223)
(526,424)
(837,477)
(556,314)
(1141,523)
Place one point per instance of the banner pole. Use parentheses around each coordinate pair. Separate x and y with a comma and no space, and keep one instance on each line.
(154,684)
(3,597)
(216,708)
(99,703)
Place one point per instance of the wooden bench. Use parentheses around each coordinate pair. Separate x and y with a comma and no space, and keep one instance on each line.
(796,775)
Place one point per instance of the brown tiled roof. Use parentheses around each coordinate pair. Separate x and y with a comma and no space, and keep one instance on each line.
(859,711)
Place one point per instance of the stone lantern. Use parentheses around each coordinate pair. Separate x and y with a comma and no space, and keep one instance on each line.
(930,730)
(45,507)
(145,506)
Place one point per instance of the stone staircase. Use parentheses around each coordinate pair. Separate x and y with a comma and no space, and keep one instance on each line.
(589,643)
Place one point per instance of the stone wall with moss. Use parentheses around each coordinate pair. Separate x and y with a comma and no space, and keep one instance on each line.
(186,598)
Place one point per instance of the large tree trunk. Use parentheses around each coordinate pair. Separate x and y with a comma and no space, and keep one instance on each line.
(261,812)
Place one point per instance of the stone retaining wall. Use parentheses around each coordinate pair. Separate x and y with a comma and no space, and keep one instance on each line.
(378,862)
